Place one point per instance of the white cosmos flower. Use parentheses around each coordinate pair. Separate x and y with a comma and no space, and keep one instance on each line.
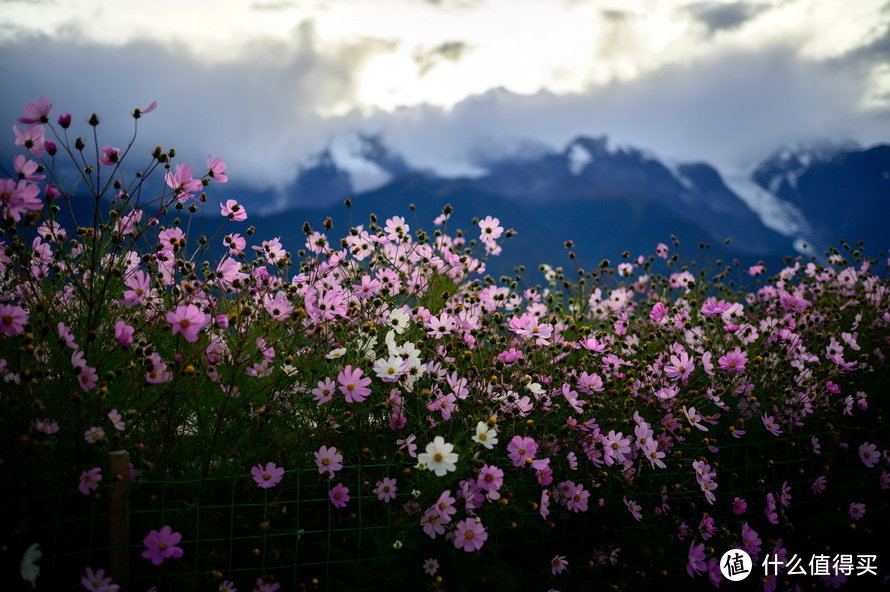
(336,353)
(29,569)
(439,457)
(399,320)
(485,435)
(536,388)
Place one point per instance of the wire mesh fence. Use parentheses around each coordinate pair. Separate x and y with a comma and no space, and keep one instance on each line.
(294,536)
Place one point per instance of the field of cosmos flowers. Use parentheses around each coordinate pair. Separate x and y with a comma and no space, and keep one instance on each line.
(192,412)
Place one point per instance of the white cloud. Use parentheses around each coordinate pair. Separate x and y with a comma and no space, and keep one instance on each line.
(726,87)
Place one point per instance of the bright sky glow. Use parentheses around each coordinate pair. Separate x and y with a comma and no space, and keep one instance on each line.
(521,45)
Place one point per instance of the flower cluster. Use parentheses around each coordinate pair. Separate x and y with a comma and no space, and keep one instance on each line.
(387,375)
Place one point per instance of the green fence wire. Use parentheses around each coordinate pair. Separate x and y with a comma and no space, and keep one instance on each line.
(291,534)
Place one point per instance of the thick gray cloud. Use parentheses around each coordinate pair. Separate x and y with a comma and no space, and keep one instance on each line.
(730,109)
(720,16)
(450,50)
(268,109)
(262,112)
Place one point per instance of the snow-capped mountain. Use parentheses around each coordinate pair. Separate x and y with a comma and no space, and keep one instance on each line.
(351,163)
(610,198)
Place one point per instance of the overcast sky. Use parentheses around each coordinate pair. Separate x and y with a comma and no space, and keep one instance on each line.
(265,84)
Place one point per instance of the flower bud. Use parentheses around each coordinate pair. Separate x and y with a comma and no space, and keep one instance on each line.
(79,144)
(50,147)
(64,120)
(93,120)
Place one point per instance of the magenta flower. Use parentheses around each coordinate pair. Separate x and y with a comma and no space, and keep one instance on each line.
(522,450)
(36,112)
(558,564)
(386,490)
(793,303)
(576,498)
(262,586)
(353,385)
(123,333)
(188,320)
(18,198)
(868,454)
(328,461)
(110,156)
(95,581)
(857,510)
(89,480)
(268,476)
(183,182)
(470,535)
(680,367)
(339,495)
(217,169)
(739,505)
(490,479)
(750,541)
(32,139)
(12,319)
(769,422)
(161,545)
(819,484)
(733,361)
(233,210)
(696,557)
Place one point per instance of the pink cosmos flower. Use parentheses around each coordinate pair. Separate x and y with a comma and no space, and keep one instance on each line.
(328,461)
(268,476)
(522,450)
(490,479)
(339,495)
(32,139)
(95,581)
(431,566)
(89,480)
(139,285)
(353,385)
(12,319)
(324,391)
(123,333)
(793,303)
(217,169)
(386,490)
(818,485)
(470,535)
(750,541)
(658,312)
(680,368)
(183,182)
(262,586)
(17,198)
(110,156)
(733,361)
(36,112)
(739,505)
(868,454)
(558,564)
(26,169)
(769,422)
(713,307)
(696,557)
(188,320)
(233,210)
(161,545)
(857,510)
(491,229)
(444,506)
(576,499)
